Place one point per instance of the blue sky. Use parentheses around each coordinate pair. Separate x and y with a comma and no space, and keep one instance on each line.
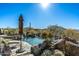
(66,15)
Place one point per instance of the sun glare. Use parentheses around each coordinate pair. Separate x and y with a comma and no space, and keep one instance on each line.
(44,5)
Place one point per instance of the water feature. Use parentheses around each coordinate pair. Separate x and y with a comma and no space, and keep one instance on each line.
(34,41)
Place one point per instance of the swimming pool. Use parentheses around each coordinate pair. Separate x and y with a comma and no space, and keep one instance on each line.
(34,41)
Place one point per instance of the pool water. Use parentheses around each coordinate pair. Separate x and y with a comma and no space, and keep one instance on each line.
(34,41)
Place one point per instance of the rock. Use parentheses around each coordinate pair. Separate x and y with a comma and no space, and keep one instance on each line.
(46,53)
(6,51)
(36,51)
(68,47)
(72,49)
(58,53)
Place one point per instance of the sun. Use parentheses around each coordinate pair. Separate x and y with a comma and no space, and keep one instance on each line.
(44,5)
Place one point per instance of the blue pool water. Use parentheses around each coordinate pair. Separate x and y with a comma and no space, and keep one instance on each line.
(34,41)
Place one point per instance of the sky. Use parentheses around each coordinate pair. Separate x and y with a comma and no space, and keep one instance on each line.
(62,14)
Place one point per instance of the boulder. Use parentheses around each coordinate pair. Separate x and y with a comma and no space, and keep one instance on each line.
(58,53)
(46,53)
(68,47)
(36,51)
